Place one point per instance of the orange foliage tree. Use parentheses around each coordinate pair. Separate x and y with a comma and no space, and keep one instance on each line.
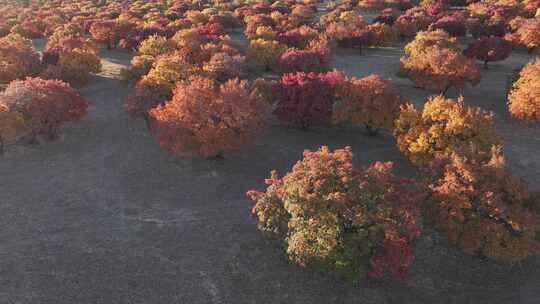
(355,222)
(441,127)
(524,97)
(482,209)
(440,69)
(370,101)
(106,32)
(202,119)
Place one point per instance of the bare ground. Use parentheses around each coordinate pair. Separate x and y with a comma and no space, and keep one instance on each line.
(103,216)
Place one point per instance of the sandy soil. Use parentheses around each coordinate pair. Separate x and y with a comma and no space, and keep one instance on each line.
(103,216)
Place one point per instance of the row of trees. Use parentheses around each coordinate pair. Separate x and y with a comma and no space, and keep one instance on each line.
(364,222)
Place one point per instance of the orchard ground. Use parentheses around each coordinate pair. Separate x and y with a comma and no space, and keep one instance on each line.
(102,215)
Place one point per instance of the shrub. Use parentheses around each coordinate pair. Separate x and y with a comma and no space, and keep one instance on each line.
(443,126)
(304,61)
(482,209)
(265,52)
(207,121)
(427,39)
(18,58)
(368,101)
(45,105)
(440,68)
(307,99)
(12,126)
(489,49)
(329,215)
(524,97)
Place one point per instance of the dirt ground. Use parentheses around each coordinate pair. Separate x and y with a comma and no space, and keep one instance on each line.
(102,215)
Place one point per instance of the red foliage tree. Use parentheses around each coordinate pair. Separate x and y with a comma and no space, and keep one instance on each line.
(304,61)
(489,49)
(44,104)
(306,99)
(207,121)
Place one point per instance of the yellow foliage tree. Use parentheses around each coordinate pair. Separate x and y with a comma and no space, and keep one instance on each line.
(441,127)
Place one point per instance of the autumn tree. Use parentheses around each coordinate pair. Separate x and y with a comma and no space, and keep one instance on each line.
(369,101)
(266,52)
(304,61)
(305,99)
(528,34)
(440,69)
(154,46)
(205,120)
(223,66)
(45,105)
(12,126)
(524,97)
(105,32)
(489,49)
(71,59)
(443,126)
(358,223)
(166,71)
(427,39)
(482,209)
(18,58)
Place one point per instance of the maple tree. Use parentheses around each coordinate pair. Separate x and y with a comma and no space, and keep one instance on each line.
(327,213)
(202,119)
(524,96)
(441,127)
